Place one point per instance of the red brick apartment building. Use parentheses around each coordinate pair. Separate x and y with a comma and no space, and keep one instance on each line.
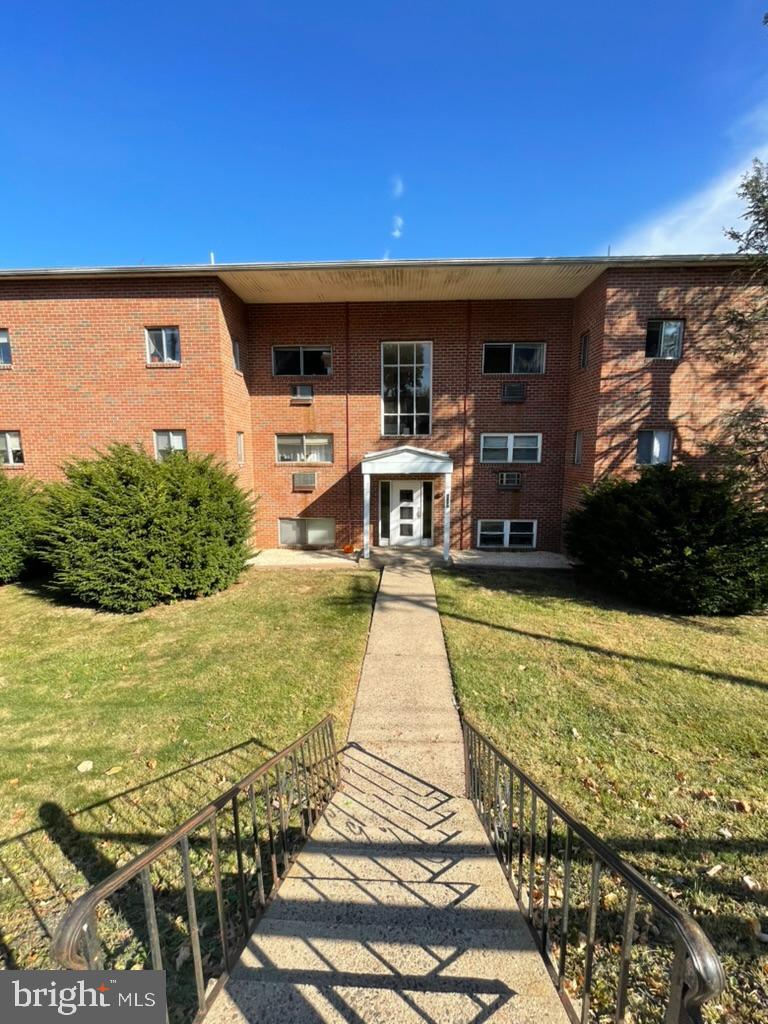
(461,403)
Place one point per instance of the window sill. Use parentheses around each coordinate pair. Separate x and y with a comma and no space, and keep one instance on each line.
(163,366)
(301,376)
(303,465)
(10,466)
(662,359)
(6,366)
(238,372)
(300,401)
(512,373)
(405,437)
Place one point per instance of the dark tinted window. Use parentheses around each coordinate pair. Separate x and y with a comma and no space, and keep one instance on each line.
(317,362)
(497,358)
(287,360)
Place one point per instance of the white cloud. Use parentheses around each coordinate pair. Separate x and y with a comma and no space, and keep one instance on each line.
(397,226)
(696,223)
(398,186)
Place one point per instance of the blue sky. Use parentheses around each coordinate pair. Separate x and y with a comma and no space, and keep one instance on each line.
(157,132)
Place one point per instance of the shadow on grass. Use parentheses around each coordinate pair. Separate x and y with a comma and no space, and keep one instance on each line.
(44,869)
(543,587)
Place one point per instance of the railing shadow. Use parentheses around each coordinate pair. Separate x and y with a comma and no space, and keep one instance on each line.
(48,866)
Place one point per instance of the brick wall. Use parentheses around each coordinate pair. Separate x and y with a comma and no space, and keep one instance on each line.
(80,380)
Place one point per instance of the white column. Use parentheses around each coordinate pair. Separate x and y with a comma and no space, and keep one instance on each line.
(447,518)
(366,515)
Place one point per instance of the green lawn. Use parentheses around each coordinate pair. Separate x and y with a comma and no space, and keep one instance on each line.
(634,720)
(170,706)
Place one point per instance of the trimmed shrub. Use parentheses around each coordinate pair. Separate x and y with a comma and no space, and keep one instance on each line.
(125,532)
(20,520)
(674,540)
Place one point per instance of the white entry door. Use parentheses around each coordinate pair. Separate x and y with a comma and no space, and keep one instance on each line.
(405,513)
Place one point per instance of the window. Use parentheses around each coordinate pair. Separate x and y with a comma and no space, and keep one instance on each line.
(236,355)
(11,453)
(506,533)
(406,388)
(298,361)
(584,350)
(304,482)
(307,532)
(513,392)
(510,447)
(240,447)
(5,349)
(509,481)
(302,394)
(304,447)
(654,447)
(664,339)
(517,357)
(169,441)
(578,447)
(163,345)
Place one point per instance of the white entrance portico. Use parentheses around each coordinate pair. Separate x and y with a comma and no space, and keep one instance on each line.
(408,504)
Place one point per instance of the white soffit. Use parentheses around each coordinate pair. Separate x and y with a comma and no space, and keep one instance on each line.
(392,281)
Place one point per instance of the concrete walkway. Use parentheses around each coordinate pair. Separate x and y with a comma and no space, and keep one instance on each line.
(396,910)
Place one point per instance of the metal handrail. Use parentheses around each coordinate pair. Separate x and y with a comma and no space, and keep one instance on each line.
(303,775)
(697,974)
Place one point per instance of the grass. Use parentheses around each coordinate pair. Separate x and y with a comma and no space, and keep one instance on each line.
(651,729)
(170,706)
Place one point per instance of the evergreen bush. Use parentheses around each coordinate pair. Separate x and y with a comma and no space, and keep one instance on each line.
(125,532)
(20,520)
(675,540)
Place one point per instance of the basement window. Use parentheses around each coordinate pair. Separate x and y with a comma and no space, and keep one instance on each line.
(307,533)
(11,453)
(517,534)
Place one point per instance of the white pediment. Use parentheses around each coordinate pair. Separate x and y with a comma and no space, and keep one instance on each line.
(406,459)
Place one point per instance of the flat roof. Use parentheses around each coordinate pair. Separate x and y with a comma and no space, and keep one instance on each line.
(557,277)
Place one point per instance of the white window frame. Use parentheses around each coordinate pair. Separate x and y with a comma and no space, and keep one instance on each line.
(304,488)
(5,343)
(240,447)
(306,398)
(236,356)
(302,349)
(578,447)
(507,523)
(172,449)
(655,462)
(504,485)
(510,448)
(663,321)
(512,345)
(381,387)
(305,519)
(303,461)
(165,361)
(5,443)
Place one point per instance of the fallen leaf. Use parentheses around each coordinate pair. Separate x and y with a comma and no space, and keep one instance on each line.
(680,776)
(740,806)
(114,769)
(750,883)
(13,782)
(725,833)
(152,763)
(677,821)
(575,733)
(590,784)
(85,766)
(705,794)
(714,870)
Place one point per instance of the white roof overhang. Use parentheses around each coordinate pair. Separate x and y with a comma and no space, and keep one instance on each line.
(395,280)
(405,460)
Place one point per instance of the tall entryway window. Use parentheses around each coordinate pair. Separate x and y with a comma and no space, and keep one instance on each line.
(405,513)
(406,389)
